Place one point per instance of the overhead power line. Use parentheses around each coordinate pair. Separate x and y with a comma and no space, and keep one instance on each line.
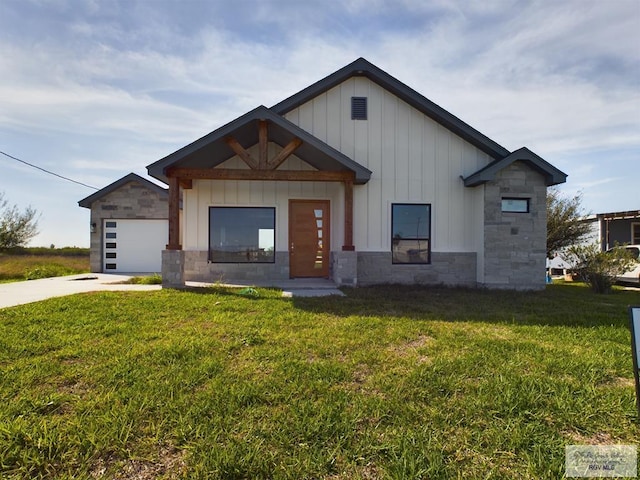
(48,171)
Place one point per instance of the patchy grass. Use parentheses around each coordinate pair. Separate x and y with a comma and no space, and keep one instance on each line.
(387,382)
(154,279)
(31,267)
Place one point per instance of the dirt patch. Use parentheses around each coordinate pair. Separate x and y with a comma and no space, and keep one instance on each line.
(599,438)
(169,464)
(411,348)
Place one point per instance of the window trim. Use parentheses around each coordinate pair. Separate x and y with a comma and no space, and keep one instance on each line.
(521,199)
(209,255)
(427,239)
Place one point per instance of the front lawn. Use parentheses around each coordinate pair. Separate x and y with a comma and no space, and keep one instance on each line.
(387,382)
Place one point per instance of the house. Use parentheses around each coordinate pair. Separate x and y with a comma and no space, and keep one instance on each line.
(360,179)
(128,225)
(617,228)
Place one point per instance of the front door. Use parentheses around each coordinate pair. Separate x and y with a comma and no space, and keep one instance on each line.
(309,238)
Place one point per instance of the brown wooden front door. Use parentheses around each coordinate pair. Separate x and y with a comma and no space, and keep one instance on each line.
(309,238)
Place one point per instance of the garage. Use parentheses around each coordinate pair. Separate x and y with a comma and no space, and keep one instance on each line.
(128,226)
(134,245)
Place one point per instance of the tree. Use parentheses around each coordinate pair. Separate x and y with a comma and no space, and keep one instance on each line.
(16,227)
(596,268)
(564,221)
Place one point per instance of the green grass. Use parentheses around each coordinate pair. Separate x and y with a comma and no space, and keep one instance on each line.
(30,267)
(154,279)
(387,382)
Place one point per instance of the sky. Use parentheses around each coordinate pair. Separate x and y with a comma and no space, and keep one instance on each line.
(93,90)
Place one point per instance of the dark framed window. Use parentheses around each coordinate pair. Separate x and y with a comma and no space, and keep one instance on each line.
(110,266)
(110,235)
(358,108)
(242,234)
(411,233)
(110,245)
(515,205)
(110,224)
(111,255)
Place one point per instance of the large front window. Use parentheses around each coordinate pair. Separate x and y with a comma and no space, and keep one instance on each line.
(411,233)
(242,234)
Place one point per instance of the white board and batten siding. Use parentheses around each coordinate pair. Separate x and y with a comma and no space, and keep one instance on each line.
(134,245)
(412,158)
(219,193)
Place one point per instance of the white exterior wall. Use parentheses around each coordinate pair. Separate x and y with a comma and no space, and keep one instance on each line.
(220,193)
(413,159)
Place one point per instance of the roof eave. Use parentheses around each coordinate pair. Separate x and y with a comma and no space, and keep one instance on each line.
(158,169)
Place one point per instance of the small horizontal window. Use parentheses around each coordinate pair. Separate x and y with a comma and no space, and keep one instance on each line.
(110,266)
(110,245)
(111,255)
(358,108)
(515,205)
(110,224)
(110,235)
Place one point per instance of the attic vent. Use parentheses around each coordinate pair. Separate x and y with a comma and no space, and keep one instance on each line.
(358,108)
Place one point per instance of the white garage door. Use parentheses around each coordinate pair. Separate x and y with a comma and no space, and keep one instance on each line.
(134,246)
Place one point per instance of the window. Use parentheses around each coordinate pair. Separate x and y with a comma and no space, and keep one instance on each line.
(110,235)
(515,205)
(358,108)
(110,224)
(411,233)
(110,245)
(242,234)
(110,266)
(635,233)
(111,255)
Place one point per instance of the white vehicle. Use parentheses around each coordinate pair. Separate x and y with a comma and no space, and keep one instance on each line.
(633,274)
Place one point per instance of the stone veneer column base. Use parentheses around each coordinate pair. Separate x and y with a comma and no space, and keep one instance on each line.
(173,269)
(344,268)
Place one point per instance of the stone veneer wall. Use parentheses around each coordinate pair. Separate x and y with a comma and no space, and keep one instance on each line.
(130,201)
(198,269)
(344,268)
(515,243)
(446,268)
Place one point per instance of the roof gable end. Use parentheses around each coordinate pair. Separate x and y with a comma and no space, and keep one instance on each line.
(362,67)
(552,175)
(132,177)
(212,150)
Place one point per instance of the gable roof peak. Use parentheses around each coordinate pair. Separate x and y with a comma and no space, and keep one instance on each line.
(131,177)
(362,67)
(553,176)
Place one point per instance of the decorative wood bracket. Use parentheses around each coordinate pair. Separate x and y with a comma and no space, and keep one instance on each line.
(263,162)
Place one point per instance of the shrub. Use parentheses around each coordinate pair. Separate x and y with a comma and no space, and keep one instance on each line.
(596,268)
(155,279)
(46,271)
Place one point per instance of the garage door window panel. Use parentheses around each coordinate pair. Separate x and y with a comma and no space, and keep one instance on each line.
(242,234)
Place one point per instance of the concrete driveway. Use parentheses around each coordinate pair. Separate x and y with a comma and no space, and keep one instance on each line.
(18,293)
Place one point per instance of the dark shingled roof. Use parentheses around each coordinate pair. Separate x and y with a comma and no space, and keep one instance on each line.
(211,150)
(132,177)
